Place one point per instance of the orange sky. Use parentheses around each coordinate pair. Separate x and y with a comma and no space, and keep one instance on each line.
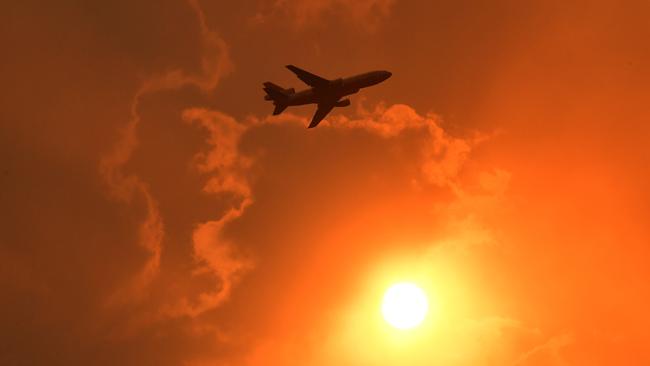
(154,214)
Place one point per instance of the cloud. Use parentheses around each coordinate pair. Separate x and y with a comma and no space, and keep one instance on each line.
(228,170)
(226,240)
(442,155)
(547,353)
(273,199)
(215,254)
(368,171)
(506,341)
(365,14)
(274,185)
(223,162)
(215,63)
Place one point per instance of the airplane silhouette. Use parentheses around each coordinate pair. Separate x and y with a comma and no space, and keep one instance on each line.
(325,93)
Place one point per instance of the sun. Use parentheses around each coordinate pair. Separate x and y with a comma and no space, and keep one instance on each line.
(404,306)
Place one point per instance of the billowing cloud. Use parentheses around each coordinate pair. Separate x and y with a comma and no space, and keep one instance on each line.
(547,353)
(364,14)
(215,63)
(227,171)
(404,158)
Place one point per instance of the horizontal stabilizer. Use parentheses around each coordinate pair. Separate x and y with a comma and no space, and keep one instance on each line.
(278,95)
(279,108)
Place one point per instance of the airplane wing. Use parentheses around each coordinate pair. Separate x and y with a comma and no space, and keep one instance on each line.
(321,112)
(307,77)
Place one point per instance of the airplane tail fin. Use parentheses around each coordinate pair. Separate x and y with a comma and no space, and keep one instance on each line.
(278,95)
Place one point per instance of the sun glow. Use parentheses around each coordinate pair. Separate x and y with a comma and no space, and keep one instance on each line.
(404,306)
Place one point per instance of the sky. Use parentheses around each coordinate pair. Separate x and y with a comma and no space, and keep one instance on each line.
(155,213)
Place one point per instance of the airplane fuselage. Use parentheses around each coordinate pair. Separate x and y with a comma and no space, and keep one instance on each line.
(337,89)
(325,93)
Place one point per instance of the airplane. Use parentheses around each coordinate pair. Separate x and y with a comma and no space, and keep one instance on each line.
(325,93)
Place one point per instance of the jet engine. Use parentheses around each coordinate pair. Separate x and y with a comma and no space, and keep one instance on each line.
(342,103)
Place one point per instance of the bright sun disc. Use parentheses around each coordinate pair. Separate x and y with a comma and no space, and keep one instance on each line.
(405,305)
